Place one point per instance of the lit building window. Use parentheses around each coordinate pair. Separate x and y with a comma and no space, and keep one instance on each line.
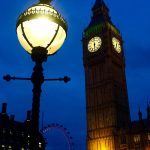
(3,145)
(137,138)
(4,131)
(22,134)
(10,132)
(149,136)
(40,145)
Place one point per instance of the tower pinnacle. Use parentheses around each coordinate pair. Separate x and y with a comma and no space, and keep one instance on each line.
(140,114)
(148,111)
(99,3)
(100,12)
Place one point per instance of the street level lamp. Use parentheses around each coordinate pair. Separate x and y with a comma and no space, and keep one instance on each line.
(41,25)
(41,31)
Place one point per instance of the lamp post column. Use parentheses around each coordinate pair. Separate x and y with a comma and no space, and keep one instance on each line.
(39,55)
(41,31)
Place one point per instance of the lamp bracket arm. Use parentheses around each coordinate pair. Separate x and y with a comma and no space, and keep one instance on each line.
(65,79)
(8,78)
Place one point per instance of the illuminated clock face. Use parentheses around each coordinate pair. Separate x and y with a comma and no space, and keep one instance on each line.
(116,44)
(94,44)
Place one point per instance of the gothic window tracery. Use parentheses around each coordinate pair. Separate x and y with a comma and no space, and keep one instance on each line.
(137,138)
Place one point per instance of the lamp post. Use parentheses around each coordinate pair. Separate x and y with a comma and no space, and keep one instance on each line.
(41,30)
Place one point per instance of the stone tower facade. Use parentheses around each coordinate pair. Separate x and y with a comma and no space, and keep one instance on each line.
(108,114)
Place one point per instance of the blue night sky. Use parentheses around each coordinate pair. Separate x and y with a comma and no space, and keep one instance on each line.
(65,103)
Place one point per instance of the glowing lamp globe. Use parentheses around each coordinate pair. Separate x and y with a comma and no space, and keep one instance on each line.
(41,26)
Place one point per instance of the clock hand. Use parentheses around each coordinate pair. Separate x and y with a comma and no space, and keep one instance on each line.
(94,45)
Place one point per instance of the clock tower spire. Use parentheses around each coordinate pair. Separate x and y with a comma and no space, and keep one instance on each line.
(100,8)
(106,92)
(100,12)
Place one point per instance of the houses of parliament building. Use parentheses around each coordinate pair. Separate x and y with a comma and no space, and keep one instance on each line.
(109,126)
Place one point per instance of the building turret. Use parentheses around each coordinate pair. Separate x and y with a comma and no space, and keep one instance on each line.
(140,115)
(148,111)
(3,115)
(4,108)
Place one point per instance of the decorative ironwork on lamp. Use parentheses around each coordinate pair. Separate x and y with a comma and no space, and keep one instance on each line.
(41,25)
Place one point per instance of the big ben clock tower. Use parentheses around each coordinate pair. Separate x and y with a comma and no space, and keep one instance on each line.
(106,92)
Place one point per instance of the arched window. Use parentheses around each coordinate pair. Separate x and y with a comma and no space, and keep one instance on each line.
(123,140)
(148,136)
(137,138)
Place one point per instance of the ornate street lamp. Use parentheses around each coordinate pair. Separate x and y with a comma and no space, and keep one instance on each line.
(41,26)
(41,31)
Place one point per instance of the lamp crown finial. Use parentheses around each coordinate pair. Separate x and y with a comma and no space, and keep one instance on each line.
(45,1)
